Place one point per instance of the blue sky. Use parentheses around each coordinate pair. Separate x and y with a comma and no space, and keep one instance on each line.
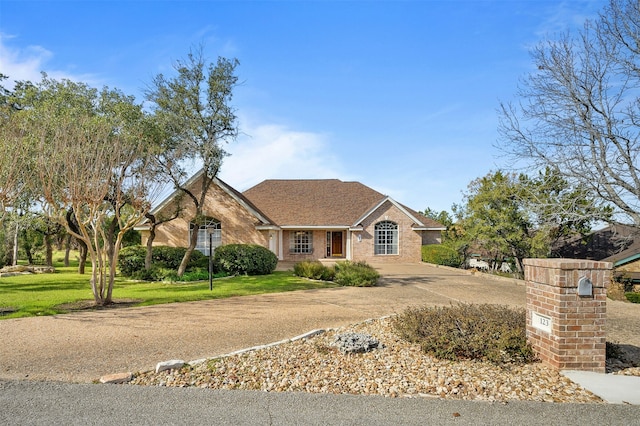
(399,95)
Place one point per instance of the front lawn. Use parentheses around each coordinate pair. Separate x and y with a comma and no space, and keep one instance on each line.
(66,290)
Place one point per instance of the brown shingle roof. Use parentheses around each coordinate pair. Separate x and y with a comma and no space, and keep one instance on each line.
(317,202)
(313,202)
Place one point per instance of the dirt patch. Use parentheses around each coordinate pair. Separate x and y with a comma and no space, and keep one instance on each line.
(90,305)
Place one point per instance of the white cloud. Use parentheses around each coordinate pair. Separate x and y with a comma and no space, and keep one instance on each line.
(272,151)
(27,63)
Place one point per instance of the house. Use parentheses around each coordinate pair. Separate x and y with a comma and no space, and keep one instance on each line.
(300,220)
(618,244)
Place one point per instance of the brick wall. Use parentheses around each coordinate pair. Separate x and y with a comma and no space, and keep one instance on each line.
(237,224)
(566,330)
(409,244)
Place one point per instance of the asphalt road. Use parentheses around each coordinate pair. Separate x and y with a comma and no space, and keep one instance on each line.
(54,403)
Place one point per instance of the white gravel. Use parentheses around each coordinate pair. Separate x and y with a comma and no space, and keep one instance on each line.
(395,369)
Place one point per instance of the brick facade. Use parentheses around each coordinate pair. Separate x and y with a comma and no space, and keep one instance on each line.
(242,221)
(237,224)
(410,241)
(566,330)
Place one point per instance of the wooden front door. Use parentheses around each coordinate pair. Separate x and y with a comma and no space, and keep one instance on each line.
(336,244)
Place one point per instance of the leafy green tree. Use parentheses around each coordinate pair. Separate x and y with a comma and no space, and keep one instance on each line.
(578,112)
(515,216)
(194,110)
(493,217)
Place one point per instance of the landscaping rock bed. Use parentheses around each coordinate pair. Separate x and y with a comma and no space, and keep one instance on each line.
(10,271)
(392,368)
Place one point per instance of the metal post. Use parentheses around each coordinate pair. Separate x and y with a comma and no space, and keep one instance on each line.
(210,261)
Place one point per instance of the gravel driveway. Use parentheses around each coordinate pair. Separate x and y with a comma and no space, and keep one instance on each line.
(81,347)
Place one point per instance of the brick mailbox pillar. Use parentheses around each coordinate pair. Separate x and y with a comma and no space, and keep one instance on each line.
(567,312)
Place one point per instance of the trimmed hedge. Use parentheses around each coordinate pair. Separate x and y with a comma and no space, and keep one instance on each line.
(441,255)
(244,259)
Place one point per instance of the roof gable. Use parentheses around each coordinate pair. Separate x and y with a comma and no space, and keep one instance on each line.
(236,195)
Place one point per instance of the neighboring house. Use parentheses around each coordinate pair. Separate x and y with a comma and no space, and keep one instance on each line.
(301,220)
(618,244)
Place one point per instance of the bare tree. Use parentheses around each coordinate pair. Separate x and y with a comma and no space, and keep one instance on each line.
(578,112)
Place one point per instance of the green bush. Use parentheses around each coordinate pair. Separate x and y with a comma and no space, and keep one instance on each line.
(314,270)
(358,274)
(439,254)
(244,259)
(479,332)
(171,257)
(633,297)
(131,261)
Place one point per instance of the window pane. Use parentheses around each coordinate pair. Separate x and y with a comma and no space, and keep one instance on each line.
(386,238)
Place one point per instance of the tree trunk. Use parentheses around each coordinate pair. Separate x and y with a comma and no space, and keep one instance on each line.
(48,250)
(14,259)
(67,250)
(148,258)
(187,255)
(82,256)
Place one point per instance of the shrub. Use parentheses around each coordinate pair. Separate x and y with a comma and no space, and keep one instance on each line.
(633,297)
(439,254)
(171,257)
(478,332)
(314,270)
(131,261)
(244,259)
(358,274)
(155,273)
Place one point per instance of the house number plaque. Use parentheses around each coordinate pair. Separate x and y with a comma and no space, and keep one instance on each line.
(541,322)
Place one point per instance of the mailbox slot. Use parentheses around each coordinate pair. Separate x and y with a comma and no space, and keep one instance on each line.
(585,287)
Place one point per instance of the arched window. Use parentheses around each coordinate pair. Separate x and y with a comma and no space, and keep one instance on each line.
(386,237)
(209,232)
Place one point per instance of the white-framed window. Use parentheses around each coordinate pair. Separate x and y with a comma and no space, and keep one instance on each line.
(209,233)
(301,242)
(386,237)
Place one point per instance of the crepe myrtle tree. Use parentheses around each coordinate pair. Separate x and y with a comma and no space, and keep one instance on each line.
(194,110)
(578,113)
(90,155)
(12,172)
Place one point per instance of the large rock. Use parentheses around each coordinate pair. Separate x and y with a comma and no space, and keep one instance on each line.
(169,365)
(116,378)
(356,342)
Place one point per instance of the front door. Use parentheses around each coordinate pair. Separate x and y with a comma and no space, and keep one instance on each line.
(336,244)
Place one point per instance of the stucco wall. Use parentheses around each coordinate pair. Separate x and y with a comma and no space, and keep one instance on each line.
(410,241)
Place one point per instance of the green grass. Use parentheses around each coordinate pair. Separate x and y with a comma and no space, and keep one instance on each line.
(66,290)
